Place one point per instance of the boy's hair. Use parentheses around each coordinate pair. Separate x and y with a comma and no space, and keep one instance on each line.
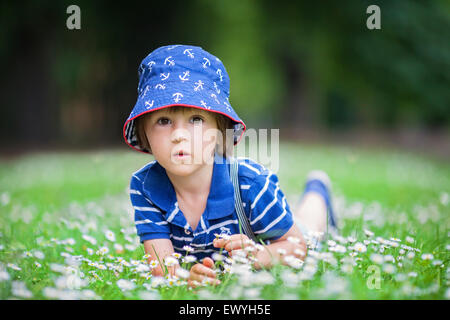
(224,148)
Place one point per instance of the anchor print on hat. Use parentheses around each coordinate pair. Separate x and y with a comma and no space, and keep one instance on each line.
(185,76)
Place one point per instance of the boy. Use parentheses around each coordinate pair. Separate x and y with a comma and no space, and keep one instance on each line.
(184,198)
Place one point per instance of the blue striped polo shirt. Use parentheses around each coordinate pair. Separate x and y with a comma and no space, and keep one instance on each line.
(157,215)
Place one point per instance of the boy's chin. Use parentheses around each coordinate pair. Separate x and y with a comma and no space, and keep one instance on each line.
(181,168)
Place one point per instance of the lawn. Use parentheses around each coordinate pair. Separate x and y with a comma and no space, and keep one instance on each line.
(67,231)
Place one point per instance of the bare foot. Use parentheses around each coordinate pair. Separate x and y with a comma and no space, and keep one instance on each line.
(312,212)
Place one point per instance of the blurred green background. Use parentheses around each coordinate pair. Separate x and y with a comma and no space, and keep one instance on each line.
(312,69)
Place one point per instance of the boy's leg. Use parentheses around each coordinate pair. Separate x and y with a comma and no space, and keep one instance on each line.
(314,213)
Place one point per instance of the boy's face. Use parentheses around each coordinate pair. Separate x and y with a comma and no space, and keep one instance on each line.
(190,131)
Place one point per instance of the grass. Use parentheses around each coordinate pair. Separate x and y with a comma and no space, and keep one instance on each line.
(67,232)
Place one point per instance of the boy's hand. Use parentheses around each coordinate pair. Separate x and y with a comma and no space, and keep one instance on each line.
(201,272)
(234,242)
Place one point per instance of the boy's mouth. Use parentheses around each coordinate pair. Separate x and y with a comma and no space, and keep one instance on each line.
(181,154)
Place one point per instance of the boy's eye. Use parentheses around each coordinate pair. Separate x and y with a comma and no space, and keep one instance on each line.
(197,119)
(163,121)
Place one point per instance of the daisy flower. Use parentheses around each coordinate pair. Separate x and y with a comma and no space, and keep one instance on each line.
(125,285)
(90,239)
(217,256)
(14,267)
(134,262)
(95,275)
(293,240)
(142,268)
(427,256)
(250,249)
(130,247)
(437,262)
(38,254)
(293,262)
(377,258)
(331,243)
(263,278)
(222,236)
(351,239)
(259,247)
(153,264)
(182,273)
(227,268)
(360,247)
(190,258)
(170,261)
(176,255)
(368,233)
(394,244)
(4,276)
(347,268)
(101,266)
(110,235)
(20,290)
(27,254)
(409,239)
(102,250)
(146,256)
(69,241)
(118,247)
(188,248)
(125,263)
(310,269)
(389,268)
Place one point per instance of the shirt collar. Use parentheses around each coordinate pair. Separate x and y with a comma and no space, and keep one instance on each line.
(158,187)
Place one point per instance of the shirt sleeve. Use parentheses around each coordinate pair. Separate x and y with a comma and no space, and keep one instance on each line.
(149,220)
(269,213)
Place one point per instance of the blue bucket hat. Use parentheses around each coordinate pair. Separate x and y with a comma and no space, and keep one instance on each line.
(181,75)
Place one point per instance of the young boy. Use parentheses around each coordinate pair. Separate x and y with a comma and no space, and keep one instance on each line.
(185,197)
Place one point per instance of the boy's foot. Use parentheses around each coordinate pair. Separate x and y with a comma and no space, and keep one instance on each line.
(318,181)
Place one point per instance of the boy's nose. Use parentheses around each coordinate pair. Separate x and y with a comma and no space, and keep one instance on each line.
(180,134)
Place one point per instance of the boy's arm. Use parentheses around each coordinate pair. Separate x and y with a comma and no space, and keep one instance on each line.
(292,244)
(163,249)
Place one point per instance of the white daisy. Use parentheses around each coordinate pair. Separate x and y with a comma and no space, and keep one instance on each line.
(360,247)
(427,256)
(110,235)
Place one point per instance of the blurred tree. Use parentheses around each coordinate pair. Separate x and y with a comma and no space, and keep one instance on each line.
(291,63)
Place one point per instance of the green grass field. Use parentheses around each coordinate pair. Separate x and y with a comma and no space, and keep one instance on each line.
(67,231)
